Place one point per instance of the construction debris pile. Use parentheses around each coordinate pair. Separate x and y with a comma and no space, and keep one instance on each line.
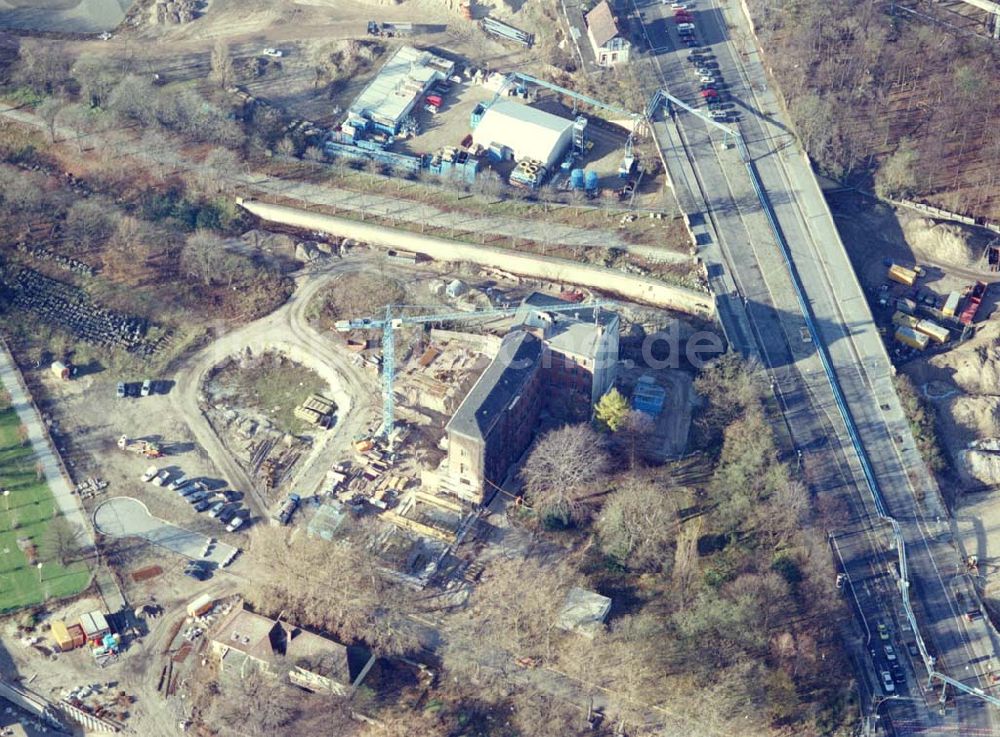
(91,487)
(68,263)
(182,11)
(70,308)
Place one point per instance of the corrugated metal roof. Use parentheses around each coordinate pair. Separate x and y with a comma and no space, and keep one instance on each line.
(529,132)
(400,81)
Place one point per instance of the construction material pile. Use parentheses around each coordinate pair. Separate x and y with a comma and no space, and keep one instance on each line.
(70,308)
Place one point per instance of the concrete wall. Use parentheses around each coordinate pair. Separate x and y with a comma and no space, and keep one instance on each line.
(634,288)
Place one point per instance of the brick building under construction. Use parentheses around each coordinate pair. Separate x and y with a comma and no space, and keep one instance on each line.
(562,362)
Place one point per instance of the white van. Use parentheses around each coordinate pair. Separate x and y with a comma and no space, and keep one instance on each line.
(685,26)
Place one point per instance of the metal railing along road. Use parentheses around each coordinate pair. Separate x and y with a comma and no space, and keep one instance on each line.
(852,430)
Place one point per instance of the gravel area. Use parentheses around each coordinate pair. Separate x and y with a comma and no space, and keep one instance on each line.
(64,16)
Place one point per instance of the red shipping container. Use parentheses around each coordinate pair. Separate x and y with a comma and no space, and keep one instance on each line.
(76,633)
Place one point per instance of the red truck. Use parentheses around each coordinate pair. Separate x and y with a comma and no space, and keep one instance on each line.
(972,302)
(434,100)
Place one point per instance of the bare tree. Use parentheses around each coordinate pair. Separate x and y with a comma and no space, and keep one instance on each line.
(313,580)
(203,256)
(89,222)
(42,65)
(134,98)
(222,64)
(639,521)
(61,541)
(48,110)
(21,194)
(258,706)
(23,437)
(563,466)
(97,77)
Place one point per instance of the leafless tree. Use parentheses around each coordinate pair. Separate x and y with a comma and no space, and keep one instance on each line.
(21,194)
(563,466)
(23,437)
(639,521)
(334,587)
(42,65)
(222,64)
(89,222)
(61,541)
(780,518)
(134,98)
(48,110)
(203,256)
(260,706)
(96,77)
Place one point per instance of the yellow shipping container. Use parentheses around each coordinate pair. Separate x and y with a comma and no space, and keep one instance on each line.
(951,304)
(60,635)
(902,275)
(910,337)
(937,332)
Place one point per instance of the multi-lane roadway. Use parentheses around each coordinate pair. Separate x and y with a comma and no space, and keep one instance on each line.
(764,316)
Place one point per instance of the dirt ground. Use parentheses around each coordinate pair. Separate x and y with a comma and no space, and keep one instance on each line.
(137,670)
(961,382)
(90,419)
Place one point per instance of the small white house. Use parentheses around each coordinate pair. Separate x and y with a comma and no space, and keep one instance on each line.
(610,45)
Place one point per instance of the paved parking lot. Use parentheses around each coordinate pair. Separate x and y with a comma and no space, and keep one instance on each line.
(124,516)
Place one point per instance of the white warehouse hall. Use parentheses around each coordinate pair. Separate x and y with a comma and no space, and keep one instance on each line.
(525,132)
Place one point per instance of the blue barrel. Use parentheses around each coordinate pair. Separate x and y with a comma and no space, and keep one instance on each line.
(591,182)
(576,178)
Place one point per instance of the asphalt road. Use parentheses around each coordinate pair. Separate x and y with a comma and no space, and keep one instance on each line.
(740,245)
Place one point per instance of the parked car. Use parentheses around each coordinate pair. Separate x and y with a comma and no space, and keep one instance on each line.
(121,390)
(161,478)
(887,685)
(202,505)
(897,674)
(235,523)
(150,474)
(883,631)
(147,388)
(273,53)
(179,483)
(216,509)
(188,491)
(890,653)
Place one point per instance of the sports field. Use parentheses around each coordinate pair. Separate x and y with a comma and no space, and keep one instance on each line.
(25,514)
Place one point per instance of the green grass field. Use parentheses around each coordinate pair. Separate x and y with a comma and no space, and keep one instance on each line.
(31,508)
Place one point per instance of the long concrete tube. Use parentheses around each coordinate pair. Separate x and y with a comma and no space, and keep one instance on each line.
(634,288)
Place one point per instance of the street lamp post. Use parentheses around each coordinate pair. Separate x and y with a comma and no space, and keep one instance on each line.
(6,498)
(39,567)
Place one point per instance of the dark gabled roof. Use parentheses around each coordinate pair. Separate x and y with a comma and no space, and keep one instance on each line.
(573,332)
(601,22)
(501,382)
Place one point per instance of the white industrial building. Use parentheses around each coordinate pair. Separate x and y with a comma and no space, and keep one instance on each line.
(524,132)
(398,88)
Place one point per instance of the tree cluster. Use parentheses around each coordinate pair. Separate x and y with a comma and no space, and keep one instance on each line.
(871,91)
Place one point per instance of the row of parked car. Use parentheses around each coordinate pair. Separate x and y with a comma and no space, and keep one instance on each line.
(713,88)
(134,389)
(218,504)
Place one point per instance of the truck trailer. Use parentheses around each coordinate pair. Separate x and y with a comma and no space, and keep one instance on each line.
(910,337)
(937,333)
(902,275)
